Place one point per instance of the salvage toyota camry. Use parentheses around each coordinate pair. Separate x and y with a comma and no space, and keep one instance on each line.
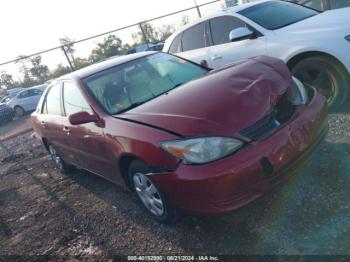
(182,137)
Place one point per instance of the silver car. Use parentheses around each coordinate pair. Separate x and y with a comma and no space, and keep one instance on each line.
(25,100)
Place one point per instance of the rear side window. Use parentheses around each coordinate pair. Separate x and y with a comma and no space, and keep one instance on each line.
(194,37)
(73,100)
(221,28)
(53,101)
(176,45)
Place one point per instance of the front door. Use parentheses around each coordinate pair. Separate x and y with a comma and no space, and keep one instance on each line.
(224,52)
(86,142)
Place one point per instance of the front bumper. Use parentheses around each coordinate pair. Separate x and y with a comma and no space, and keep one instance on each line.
(230,183)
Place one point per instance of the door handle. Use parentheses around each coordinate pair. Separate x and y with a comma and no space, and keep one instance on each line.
(216,57)
(43,124)
(66,130)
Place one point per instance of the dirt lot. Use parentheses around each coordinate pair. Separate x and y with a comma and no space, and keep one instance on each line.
(43,212)
(16,126)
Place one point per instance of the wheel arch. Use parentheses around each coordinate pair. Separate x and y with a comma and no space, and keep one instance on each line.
(46,143)
(295,59)
(124,164)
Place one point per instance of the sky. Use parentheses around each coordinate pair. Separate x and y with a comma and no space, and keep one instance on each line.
(29,26)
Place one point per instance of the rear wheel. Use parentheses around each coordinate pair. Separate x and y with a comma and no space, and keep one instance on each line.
(63,167)
(19,111)
(327,76)
(151,197)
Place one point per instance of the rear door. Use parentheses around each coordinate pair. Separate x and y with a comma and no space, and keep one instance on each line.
(223,51)
(50,120)
(86,142)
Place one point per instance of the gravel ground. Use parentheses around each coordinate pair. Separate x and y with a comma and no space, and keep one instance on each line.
(43,212)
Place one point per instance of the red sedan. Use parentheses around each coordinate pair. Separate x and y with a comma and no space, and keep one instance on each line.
(181,136)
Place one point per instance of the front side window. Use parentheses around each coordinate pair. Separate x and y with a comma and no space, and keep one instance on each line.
(221,28)
(194,37)
(339,3)
(277,14)
(52,104)
(73,100)
(136,82)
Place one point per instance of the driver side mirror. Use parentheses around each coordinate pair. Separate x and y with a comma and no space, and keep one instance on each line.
(241,33)
(83,118)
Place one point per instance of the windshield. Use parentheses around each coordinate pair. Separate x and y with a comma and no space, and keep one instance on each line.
(128,85)
(283,14)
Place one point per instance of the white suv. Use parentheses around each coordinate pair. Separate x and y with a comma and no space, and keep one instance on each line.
(316,46)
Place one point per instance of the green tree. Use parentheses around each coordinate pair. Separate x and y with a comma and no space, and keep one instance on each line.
(39,71)
(68,45)
(6,80)
(81,62)
(111,46)
(23,62)
(184,20)
(59,71)
(150,32)
(165,31)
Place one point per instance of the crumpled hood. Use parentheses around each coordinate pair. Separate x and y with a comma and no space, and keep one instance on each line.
(223,102)
(337,19)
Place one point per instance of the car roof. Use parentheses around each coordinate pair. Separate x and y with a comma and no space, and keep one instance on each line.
(234,9)
(98,67)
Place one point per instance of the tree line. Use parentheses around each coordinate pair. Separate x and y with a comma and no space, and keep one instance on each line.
(34,72)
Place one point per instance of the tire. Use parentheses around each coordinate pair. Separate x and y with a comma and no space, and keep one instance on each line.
(19,111)
(63,167)
(157,204)
(327,76)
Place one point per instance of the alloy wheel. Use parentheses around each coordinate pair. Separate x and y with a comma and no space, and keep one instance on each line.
(56,158)
(323,81)
(19,111)
(149,194)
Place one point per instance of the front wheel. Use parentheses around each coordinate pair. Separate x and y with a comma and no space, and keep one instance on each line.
(327,76)
(151,197)
(63,167)
(19,111)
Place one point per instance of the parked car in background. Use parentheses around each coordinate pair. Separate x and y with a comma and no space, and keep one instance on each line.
(13,91)
(41,87)
(323,5)
(4,99)
(6,114)
(179,135)
(314,45)
(25,100)
(157,46)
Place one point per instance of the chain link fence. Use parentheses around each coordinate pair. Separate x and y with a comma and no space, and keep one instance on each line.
(39,67)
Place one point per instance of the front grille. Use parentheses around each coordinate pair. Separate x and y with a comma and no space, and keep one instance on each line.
(281,113)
